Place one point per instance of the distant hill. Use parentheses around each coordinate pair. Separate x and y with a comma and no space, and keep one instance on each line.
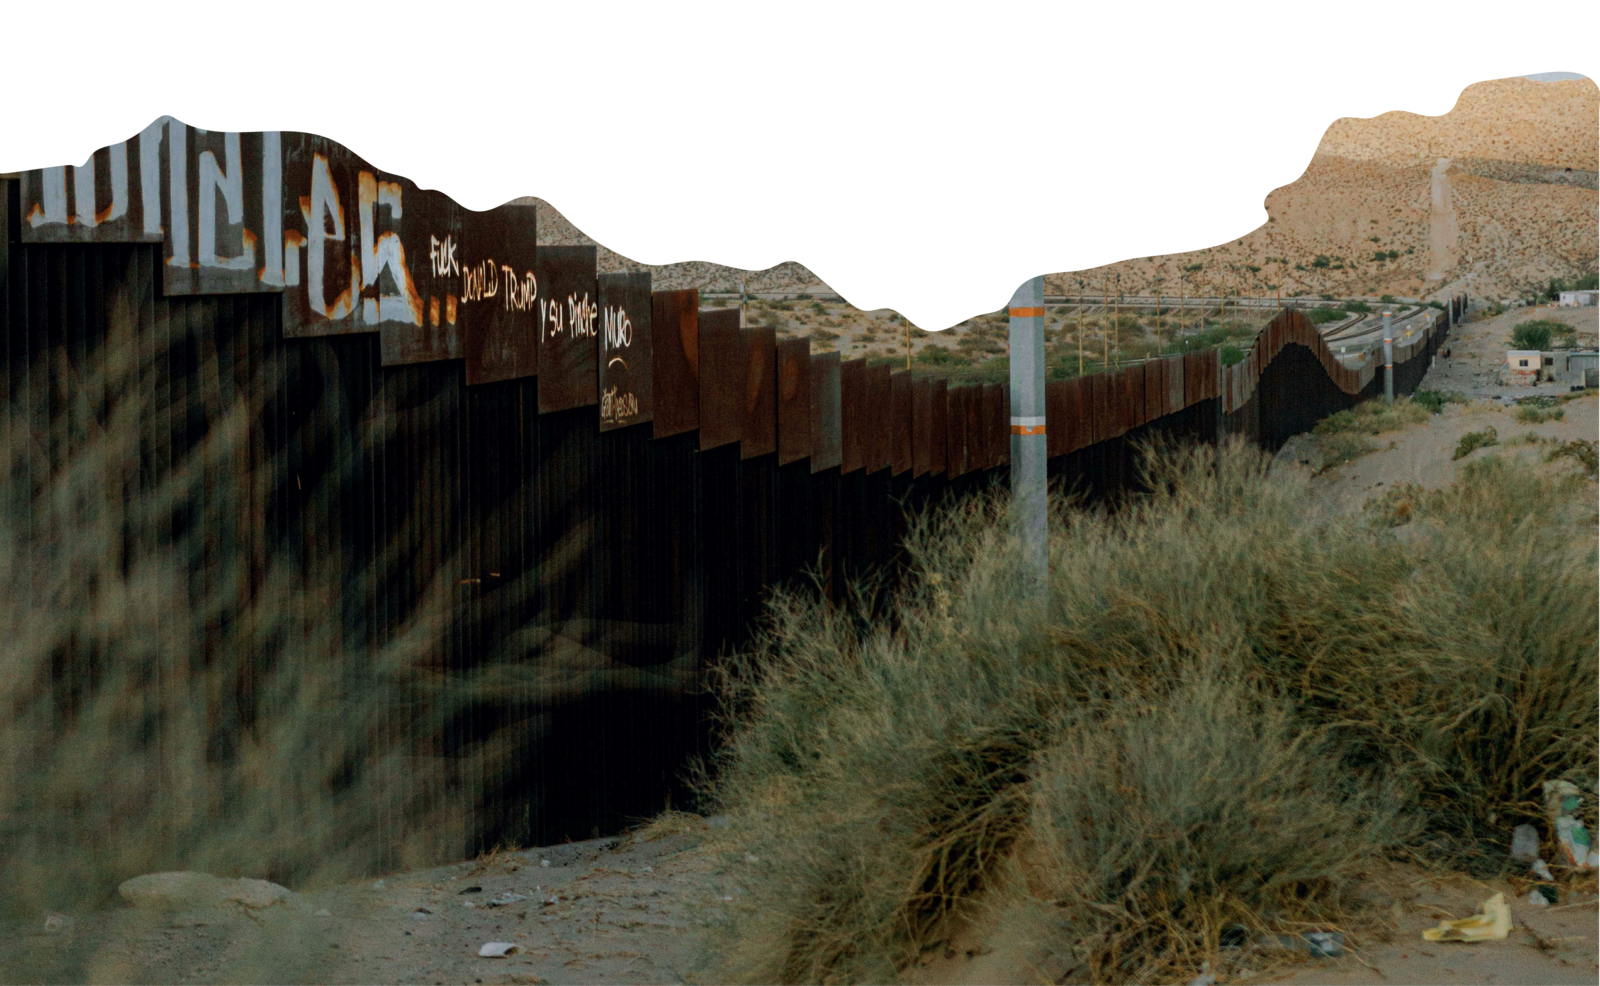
(1494,197)
(555,230)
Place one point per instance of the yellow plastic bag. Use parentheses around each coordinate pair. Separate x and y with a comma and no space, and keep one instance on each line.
(1493,920)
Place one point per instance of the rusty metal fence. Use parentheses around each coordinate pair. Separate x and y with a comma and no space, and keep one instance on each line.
(483,452)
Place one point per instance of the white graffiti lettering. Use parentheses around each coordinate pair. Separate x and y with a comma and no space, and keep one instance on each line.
(442,254)
(178,193)
(384,251)
(520,292)
(581,315)
(323,202)
(272,246)
(479,282)
(227,182)
(550,322)
(616,408)
(617,333)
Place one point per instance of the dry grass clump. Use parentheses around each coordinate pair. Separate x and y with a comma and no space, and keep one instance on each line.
(1158,822)
(1474,440)
(1528,414)
(1375,417)
(167,709)
(1585,453)
(1220,712)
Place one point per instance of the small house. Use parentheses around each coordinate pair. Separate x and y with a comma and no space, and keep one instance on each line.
(1523,367)
(1527,367)
(1576,299)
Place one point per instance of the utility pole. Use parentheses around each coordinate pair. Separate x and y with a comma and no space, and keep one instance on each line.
(1029,503)
(1158,315)
(1116,320)
(1080,326)
(907,321)
(741,304)
(1388,358)
(1105,338)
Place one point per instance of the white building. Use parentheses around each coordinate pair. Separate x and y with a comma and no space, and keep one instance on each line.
(1576,299)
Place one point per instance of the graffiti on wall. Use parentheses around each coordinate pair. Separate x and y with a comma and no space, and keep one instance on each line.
(349,247)
(568,326)
(625,359)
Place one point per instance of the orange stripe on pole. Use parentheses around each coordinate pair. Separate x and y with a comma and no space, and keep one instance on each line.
(1027,312)
(1027,429)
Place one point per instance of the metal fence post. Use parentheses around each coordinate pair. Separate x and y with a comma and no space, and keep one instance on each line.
(1388,357)
(1028,493)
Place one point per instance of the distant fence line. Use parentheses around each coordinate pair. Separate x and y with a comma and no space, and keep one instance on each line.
(607,479)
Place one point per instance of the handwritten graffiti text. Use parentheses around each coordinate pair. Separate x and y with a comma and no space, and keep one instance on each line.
(616,408)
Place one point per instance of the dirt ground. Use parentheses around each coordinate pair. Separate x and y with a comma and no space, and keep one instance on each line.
(626,911)
(607,911)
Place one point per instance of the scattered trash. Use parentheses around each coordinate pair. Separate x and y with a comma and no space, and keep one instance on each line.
(498,949)
(323,913)
(377,885)
(1492,921)
(751,858)
(506,898)
(420,914)
(544,862)
(1317,944)
(468,903)
(1548,892)
(1205,978)
(1536,899)
(1525,843)
(471,890)
(1573,842)
(649,869)
(55,922)
(1541,870)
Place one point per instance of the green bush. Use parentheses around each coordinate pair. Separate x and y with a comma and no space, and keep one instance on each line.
(1322,316)
(1375,416)
(1534,334)
(1358,306)
(1530,414)
(1435,400)
(1340,448)
(1230,354)
(1585,454)
(1474,440)
(935,356)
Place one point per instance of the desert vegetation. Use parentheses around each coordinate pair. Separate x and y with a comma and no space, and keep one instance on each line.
(1218,714)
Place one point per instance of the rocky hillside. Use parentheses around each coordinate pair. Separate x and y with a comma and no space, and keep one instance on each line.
(556,230)
(1496,197)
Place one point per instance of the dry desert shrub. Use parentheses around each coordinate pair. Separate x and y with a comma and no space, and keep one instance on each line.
(1333,699)
(164,707)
